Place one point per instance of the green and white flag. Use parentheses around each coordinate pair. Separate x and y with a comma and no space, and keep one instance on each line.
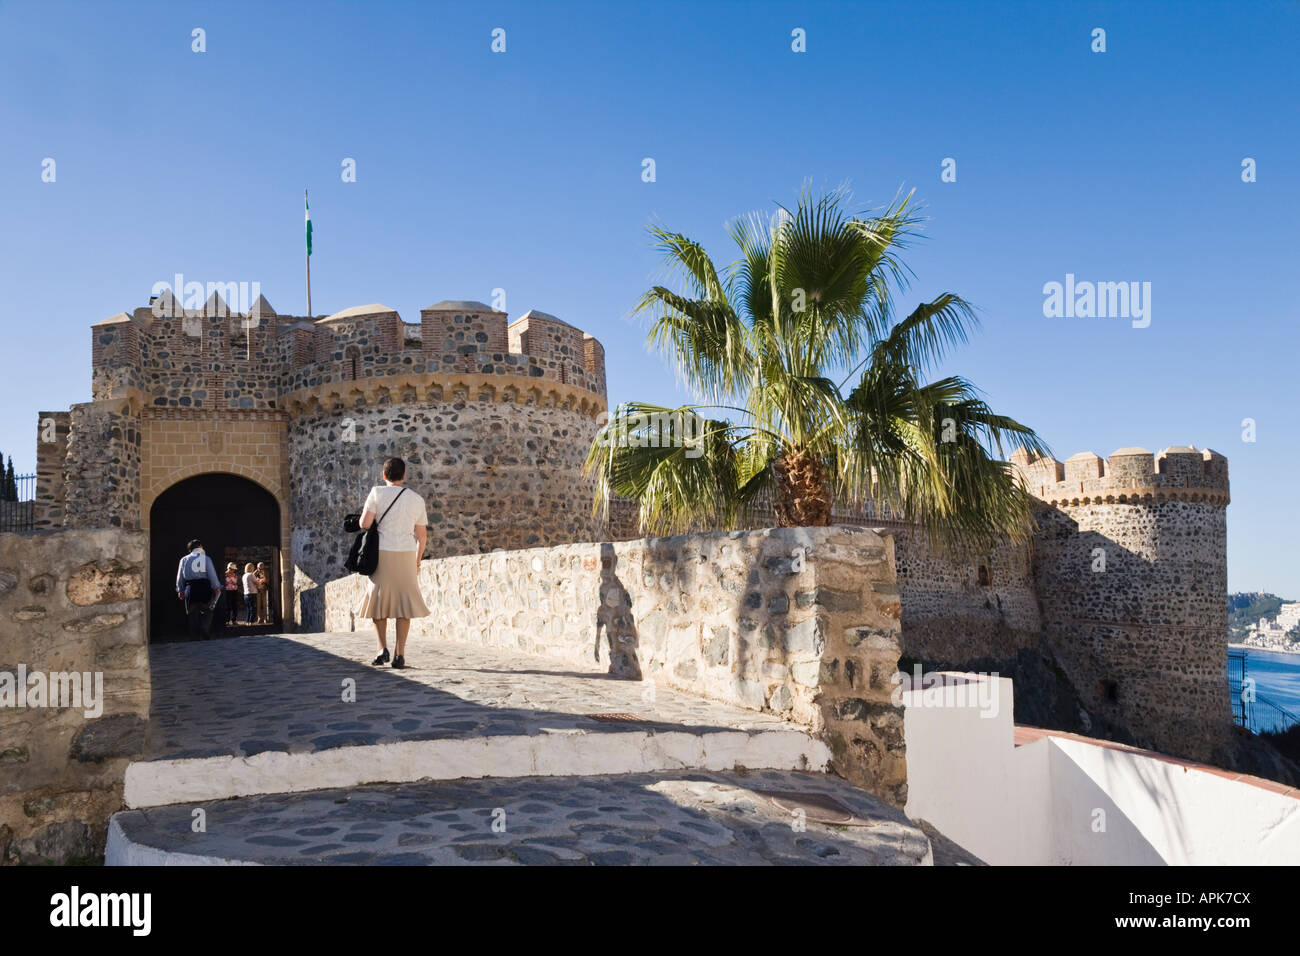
(308,211)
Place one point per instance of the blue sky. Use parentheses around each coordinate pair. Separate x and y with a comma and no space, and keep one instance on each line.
(522,171)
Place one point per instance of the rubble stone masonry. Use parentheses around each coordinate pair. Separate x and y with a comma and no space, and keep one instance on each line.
(494,419)
(1130,563)
(499,465)
(70,604)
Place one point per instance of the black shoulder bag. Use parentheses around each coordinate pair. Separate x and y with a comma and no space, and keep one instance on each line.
(363,558)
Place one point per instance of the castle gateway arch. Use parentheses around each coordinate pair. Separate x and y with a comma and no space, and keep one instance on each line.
(235,518)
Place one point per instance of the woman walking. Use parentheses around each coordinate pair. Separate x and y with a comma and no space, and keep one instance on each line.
(394,590)
(250,593)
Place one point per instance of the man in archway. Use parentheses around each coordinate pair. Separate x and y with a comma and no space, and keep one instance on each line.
(198,586)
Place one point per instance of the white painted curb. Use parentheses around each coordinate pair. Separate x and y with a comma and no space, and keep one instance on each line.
(120,851)
(156,783)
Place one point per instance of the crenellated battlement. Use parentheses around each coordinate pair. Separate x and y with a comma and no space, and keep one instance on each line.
(1128,475)
(162,355)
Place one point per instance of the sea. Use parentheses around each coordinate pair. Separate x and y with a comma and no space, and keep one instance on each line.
(1277,676)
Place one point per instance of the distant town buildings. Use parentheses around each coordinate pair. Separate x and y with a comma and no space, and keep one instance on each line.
(1276,633)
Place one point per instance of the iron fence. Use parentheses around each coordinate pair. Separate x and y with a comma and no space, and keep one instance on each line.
(1255,712)
(17,507)
(1265,716)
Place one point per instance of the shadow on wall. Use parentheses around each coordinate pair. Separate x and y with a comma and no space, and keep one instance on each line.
(801,623)
(614,616)
(311,608)
(1142,639)
(1130,646)
(957,606)
(1091,829)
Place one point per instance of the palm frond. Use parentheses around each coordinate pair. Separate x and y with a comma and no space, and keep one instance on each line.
(811,296)
(687,472)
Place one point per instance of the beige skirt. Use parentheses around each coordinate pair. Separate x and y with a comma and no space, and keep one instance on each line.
(394,590)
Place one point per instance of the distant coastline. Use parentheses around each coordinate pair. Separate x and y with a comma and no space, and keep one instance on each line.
(1266,650)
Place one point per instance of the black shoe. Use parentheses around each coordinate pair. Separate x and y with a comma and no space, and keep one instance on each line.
(381,659)
(399,662)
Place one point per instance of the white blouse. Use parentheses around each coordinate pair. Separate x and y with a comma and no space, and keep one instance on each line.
(397,531)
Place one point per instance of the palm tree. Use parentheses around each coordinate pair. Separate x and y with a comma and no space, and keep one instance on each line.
(810,392)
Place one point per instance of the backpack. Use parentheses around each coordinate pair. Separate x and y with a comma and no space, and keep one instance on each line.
(363,557)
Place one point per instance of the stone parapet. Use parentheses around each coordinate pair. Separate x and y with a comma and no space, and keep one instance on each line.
(798,622)
(215,358)
(1182,473)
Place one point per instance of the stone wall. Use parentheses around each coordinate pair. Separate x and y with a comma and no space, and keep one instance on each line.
(1143,638)
(800,622)
(51,458)
(496,470)
(496,437)
(959,610)
(70,602)
(951,617)
(101,484)
(1130,562)
(213,358)
(179,443)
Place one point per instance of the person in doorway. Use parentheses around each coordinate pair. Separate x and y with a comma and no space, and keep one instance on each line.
(394,590)
(250,593)
(198,587)
(263,579)
(232,593)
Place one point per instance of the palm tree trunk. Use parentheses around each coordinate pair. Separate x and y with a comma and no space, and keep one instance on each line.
(803,491)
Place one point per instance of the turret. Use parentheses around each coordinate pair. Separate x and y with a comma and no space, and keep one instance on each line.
(1130,566)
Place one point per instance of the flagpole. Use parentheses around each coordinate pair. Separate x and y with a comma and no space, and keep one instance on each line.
(304,202)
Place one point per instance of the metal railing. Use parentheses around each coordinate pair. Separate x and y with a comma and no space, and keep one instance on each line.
(17,504)
(1237,677)
(1264,716)
(1258,714)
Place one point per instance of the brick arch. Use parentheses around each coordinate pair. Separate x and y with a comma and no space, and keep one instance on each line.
(265,476)
(176,445)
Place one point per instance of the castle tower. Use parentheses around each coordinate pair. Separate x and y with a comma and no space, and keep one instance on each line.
(493,428)
(1130,566)
(269,428)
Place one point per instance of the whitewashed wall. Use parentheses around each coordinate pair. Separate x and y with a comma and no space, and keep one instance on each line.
(1060,800)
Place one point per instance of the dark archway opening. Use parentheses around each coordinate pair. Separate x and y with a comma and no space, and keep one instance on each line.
(237,520)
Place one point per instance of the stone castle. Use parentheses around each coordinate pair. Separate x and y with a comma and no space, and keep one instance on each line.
(493,419)
(1116,609)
